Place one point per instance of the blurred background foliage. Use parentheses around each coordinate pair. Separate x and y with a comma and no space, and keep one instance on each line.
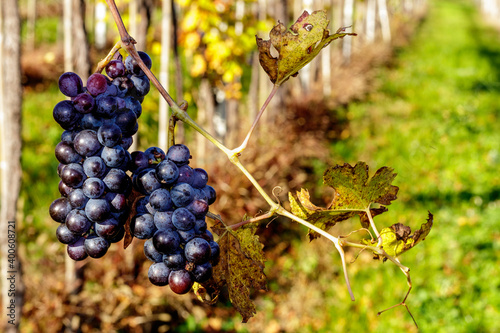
(423,99)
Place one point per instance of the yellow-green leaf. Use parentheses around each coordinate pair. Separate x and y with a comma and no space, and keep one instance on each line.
(296,46)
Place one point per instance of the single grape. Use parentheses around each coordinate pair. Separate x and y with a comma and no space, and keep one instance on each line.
(154,154)
(107,229)
(106,106)
(115,68)
(117,201)
(126,121)
(179,154)
(183,219)
(166,241)
(120,233)
(143,226)
(175,260)
(151,252)
(133,104)
(160,200)
(182,194)
(186,235)
(200,226)
(126,142)
(167,172)
(76,250)
(116,180)
(180,281)
(109,135)
(64,235)
(97,209)
(86,143)
(197,251)
(68,136)
(158,274)
(64,189)
(97,84)
(141,84)
(114,156)
(96,246)
(66,154)
(84,103)
(70,84)
(147,182)
(78,199)
(94,167)
(139,161)
(202,273)
(91,121)
(73,175)
(77,222)
(93,187)
(215,252)
(132,65)
(65,115)
(199,208)
(185,174)
(210,194)
(163,220)
(200,178)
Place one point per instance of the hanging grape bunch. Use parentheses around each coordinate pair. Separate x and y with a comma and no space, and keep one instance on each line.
(171,217)
(98,124)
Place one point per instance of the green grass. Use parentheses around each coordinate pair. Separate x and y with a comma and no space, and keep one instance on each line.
(435,121)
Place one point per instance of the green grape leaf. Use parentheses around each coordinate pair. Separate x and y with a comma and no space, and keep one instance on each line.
(398,239)
(241,266)
(296,46)
(354,193)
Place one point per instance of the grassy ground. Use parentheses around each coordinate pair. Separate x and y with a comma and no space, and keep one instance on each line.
(435,120)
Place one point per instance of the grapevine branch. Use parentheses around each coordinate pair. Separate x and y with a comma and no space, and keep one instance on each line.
(179,113)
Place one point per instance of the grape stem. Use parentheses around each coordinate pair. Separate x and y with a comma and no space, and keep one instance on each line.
(102,64)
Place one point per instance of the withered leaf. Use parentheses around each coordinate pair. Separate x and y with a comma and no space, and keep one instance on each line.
(132,203)
(296,46)
(241,266)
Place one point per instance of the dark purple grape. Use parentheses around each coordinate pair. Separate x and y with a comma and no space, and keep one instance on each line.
(107,229)
(163,220)
(68,136)
(109,135)
(154,154)
(115,68)
(84,103)
(64,235)
(142,226)
(160,200)
(199,208)
(86,143)
(97,84)
(117,201)
(126,142)
(94,167)
(175,260)
(183,219)
(185,174)
(167,172)
(77,199)
(210,193)
(118,236)
(139,161)
(179,154)
(200,178)
(91,121)
(215,252)
(65,114)
(70,84)
(197,251)
(186,235)
(76,250)
(126,121)
(182,194)
(147,182)
(134,105)
(151,252)
(180,281)
(106,106)
(158,274)
(200,226)
(93,187)
(73,175)
(96,246)
(124,85)
(77,222)
(116,180)
(140,207)
(202,273)
(66,154)
(166,241)
(114,156)
(141,84)
(64,189)
(207,235)
(97,209)
(132,65)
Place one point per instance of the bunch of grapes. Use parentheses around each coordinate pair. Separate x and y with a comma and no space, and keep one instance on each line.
(98,124)
(171,217)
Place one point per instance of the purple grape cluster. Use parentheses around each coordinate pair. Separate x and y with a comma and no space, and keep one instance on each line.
(171,217)
(98,121)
